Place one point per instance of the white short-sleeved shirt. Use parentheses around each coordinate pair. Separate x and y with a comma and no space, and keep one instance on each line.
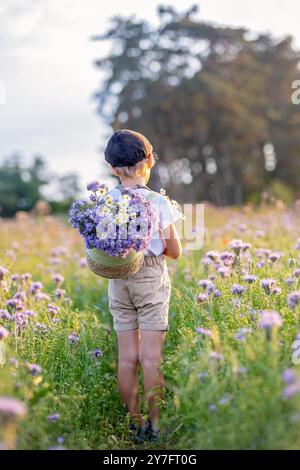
(167,215)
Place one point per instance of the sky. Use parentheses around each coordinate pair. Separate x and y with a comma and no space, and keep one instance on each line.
(47,76)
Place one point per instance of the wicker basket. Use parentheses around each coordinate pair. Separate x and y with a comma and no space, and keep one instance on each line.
(112,267)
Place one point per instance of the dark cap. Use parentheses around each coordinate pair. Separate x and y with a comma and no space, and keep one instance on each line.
(126,148)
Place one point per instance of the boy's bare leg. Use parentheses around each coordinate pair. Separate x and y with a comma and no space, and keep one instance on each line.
(151,344)
(128,345)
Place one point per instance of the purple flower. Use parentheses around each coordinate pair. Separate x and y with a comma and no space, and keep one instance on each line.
(213,255)
(238,245)
(3,333)
(53,309)
(60,440)
(205,283)
(35,287)
(4,315)
(241,334)
(60,293)
(201,298)
(289,376)
(212,407)
(250,278)
(269,319)
(73,338)
(93,186)
(217,293)
(15,304)
(34,369)
(296,273)
(30,313)
(96,353)
(268,285)
(26,277)
(204,331)
(289,281)
(11,408)
(216,356)
(297,246)
(224,271)
(275,256)
(293,299)
(237,289)
(58,279)
(227,257)
(3,272)
(291,390)
(276,291)
(41,296)
(53,418)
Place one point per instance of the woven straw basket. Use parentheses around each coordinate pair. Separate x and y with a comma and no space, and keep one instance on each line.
(113,267)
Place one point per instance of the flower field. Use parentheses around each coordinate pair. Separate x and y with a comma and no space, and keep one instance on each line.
(230,357)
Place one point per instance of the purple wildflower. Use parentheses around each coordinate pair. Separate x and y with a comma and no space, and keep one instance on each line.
(201,298)
(3,333)
(296,273)
(53,309)
(60,293)
(224,271)
(289,376)
(11,408)
(227,257)
(250,278)
(289,281)
(268,285)
(4,315)
(217,356)
(34,369)
(96,353)
(41,296)
(58,279)
(3,272)
(73,338)
(297,246)
(35,287)
(275,256)
(239,246)
(241,334)
(93,186)
(291,390)
(217,293)
(213,255)
(293,299)
(53,418)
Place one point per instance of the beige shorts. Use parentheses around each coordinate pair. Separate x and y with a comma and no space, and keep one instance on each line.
(142,300)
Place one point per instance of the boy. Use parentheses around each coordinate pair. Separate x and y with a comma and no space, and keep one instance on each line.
(139,304)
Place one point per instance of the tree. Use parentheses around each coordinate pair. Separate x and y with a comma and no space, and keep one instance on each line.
(209,98)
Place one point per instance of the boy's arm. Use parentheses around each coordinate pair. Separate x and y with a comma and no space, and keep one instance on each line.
(173,248)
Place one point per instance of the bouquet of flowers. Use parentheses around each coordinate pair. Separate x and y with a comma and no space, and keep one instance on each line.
(116,231)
